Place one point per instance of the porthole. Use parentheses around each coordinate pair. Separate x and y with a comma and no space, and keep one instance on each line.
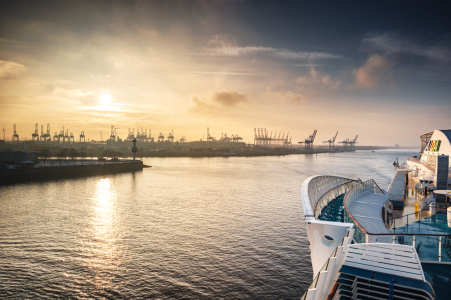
(328,238)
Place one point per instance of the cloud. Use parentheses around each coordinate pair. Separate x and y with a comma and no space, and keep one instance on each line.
(10,69)
(221,41)
(15,44)
(274,52)
(218,100)
(70,93)
(284,96)
(316,80)
(390,43)
(199,105)
(206,74)
(369,75)
(229,98)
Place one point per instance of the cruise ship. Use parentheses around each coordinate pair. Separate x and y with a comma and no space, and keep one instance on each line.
(369,243)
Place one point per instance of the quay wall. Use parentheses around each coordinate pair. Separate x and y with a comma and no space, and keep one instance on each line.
(8,176)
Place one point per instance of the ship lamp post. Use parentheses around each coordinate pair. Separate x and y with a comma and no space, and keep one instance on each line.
(134,149)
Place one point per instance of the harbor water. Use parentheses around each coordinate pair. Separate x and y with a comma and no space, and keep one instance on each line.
(187,228)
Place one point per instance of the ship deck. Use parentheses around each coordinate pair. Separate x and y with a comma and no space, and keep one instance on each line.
(366,209)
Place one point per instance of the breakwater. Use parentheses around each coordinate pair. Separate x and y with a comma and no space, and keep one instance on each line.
(18,175)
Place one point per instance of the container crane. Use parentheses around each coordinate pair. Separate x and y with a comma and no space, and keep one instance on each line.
(171,136)
(35,134)
(331,142)
(308,142)
(15,137)
(161,137)
(352,143)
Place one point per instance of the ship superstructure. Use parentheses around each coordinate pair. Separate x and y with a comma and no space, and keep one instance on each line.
(369,243)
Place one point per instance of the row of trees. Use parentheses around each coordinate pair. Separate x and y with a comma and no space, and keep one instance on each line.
(64,153)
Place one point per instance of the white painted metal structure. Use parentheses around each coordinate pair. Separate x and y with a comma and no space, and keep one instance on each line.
(325,279)
(393,259)
(425,165)
(330,242)
(324,237)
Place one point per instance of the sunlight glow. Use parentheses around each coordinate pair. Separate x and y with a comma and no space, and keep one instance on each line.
(105,99)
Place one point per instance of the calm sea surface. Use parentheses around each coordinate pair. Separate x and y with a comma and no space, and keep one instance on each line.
(187,228)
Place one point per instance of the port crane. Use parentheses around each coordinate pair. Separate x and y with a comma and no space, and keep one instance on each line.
(113,133)
(331,142)
(35,134)
(209,137)
(170,137)
(352,143)
(15,137)
(131,135)
(46,136)
(309,141)
(161,137)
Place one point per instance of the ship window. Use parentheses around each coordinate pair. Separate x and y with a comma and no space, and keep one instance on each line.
(328,238)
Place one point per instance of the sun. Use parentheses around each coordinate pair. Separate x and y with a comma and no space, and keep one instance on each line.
(105,99)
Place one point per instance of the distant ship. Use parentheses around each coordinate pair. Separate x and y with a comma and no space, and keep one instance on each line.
(368,243)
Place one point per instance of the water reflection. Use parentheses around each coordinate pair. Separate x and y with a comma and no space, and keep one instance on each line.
(106,254)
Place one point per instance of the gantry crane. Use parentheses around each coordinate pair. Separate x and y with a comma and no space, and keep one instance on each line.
(171,136)
(113,133)
(331,142)
(209,137)
(309,142)
(15,137)
(131,135)
(45,136)
(352,143)
(161,137)
(35,134)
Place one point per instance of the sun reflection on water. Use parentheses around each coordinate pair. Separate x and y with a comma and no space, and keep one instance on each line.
(105,254)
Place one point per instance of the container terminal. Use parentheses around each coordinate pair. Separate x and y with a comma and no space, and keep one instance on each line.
(64,143)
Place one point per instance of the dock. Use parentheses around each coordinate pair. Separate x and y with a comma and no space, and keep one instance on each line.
(56,171)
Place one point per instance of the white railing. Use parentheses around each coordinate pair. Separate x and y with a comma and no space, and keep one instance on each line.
(367,186)
(313,188)
(324,200)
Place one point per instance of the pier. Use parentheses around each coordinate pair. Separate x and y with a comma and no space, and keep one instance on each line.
(56,171)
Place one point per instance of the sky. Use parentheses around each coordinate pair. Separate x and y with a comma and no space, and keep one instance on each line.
(379,70)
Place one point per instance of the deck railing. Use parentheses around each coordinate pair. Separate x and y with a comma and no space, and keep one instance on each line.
(363,187)
(331,195)
(430,162)
(315,187)
(430,247)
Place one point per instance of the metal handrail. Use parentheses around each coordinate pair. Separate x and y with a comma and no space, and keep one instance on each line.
(346,198)
(381,234)
(337,187)
(410,234)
